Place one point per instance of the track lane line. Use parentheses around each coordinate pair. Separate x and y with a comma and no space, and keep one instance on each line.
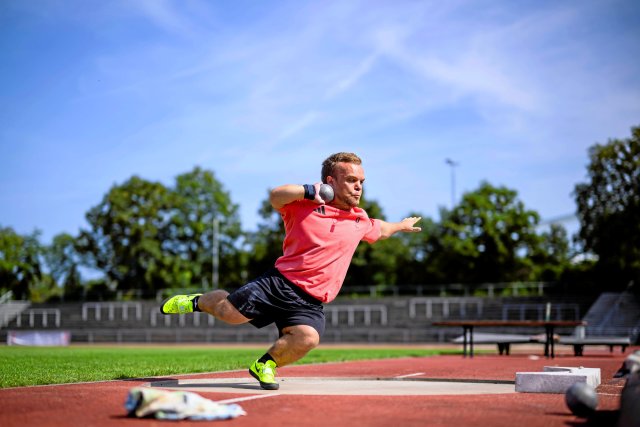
(242,399)
(409,375)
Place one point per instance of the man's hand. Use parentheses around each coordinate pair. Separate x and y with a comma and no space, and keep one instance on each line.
(318,198)
(407,225)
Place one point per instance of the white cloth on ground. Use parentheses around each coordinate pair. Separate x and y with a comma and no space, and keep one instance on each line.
(177,405)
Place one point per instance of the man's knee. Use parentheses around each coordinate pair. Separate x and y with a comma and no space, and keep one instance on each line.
(306,336)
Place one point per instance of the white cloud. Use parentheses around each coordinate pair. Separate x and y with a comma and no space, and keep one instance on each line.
(296,127)
(165,15)
(351,79)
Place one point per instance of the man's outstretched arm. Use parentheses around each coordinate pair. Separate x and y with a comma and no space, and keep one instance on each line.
(407,225)
(288,193)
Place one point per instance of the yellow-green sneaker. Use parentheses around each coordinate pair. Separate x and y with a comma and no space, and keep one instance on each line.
(179,304)
(265,373)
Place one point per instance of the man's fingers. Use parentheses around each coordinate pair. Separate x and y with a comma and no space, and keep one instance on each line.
(410,222)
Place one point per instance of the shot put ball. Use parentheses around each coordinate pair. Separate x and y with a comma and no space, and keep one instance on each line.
(581,399)
(326,192)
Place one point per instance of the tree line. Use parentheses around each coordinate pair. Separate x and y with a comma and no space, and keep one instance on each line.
(144,236)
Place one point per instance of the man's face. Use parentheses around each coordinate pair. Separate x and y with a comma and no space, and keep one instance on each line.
(347,185)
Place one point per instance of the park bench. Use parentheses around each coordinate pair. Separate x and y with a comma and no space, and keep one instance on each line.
(579,343)
(468,337)
(503,341)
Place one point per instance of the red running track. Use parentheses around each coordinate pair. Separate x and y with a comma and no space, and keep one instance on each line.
(102,403)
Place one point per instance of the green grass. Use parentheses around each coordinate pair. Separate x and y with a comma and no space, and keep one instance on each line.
(22,366)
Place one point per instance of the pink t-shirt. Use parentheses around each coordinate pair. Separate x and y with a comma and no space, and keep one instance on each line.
(319,243)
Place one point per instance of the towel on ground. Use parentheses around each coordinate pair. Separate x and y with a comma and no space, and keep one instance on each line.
(177,405)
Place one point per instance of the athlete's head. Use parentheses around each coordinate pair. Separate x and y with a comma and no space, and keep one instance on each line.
(343,171)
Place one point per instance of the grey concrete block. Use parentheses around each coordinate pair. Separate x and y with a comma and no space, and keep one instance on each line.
(555,379)
(593,373)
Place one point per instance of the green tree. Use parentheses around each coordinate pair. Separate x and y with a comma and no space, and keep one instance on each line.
(488,237)
(552,257)
(199,199)
(125,238)
(609,209)
(425,246)
(64,261)
(20,262)
(409,253)
(147,237)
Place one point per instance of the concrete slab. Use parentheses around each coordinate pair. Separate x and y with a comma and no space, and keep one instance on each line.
(340,386)
(555,379)
(593,373)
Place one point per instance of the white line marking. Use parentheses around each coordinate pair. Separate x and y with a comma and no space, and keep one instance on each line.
(410,375)
(242,399)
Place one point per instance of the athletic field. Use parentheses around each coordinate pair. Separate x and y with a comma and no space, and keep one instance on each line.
(414,386)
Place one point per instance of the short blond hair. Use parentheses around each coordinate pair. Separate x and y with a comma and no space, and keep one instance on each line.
(329,165)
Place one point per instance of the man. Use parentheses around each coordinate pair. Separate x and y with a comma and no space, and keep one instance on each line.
(320,240)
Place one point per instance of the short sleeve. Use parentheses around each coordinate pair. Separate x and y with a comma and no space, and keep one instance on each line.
(373,234)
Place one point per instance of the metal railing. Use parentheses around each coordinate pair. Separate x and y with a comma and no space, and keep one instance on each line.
(445,305)
(44,314)
(111,307)
(542,310)
(450,289)
(351,310)
(196,319)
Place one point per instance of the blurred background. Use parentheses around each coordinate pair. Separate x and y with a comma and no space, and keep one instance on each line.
(139,140)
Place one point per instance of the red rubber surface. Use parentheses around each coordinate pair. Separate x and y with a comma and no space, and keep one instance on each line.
(102,404)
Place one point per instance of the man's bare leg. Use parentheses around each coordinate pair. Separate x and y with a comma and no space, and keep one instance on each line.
(216,304)
(294,344)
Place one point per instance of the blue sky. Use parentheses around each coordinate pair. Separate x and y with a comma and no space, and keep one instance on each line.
(261,92)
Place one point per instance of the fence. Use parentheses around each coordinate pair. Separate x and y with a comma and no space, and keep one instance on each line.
(542,311)
(42,313)
(195,319)
(445,305)
(111,307)
(334,313)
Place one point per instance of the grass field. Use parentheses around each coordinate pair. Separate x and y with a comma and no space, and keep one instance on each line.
(22,366)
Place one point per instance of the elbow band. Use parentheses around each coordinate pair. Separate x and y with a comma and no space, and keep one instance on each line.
(309,191)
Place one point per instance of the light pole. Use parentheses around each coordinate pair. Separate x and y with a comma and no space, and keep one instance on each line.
(215,255)
(453,180)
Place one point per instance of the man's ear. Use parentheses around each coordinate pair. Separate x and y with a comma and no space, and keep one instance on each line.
(330,180)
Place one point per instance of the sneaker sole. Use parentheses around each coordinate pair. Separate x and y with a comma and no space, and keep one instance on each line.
(265,386)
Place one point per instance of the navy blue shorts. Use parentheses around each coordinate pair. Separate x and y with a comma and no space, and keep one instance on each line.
(272,298)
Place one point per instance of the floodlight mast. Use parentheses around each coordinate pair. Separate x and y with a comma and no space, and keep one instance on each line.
(215,277)
(453,165)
